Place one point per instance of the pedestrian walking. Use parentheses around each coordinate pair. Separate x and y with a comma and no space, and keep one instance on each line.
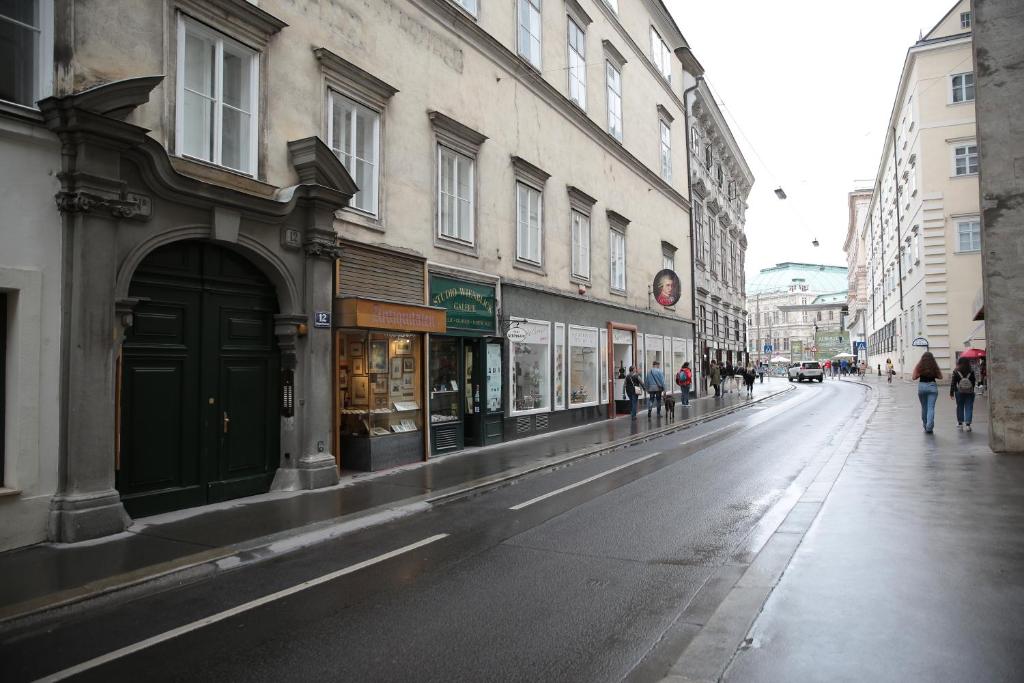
(760,372)
(927,373)
(684,378)
(715,378)
(748,379)
(655,385)
(961,390)
(633,388)
(889,370)
(827,368)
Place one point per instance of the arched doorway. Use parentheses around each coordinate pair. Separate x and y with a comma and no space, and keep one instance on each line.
(200,372)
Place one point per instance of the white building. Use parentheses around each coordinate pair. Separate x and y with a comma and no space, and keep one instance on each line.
(858,301)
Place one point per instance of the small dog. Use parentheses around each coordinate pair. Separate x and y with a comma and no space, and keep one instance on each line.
(670,407)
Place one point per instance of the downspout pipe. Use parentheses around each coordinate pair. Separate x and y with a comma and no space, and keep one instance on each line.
(698,346)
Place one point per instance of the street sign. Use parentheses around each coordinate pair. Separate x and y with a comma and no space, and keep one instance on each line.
(861,345)
(768,348)
(322,319)
(516,334)
(920,341)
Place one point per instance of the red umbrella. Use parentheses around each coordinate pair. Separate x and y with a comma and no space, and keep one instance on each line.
(973,353)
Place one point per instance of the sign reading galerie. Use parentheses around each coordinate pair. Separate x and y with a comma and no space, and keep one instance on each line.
(470,306)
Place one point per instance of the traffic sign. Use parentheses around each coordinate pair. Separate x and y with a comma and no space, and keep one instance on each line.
(768,348)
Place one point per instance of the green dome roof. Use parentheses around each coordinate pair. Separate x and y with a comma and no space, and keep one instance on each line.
(820,279)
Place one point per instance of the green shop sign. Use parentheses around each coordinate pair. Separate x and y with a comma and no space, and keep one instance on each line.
(470,305)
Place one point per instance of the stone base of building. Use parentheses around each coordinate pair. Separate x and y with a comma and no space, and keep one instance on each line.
(315,471)
(83,517)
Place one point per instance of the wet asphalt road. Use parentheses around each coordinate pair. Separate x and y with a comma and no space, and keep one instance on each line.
(579,586)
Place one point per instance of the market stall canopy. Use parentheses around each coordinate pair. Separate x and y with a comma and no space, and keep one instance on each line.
(973,353)
(779,359)
(844,355)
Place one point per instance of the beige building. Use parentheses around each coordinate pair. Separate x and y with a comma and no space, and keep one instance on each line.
(300,237)
(923,239)
(857,300)
(721,182)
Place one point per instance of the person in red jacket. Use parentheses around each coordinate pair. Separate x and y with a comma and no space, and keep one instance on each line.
(684,378)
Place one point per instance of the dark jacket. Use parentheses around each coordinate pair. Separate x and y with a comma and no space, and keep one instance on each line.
(634,384)
(956,380)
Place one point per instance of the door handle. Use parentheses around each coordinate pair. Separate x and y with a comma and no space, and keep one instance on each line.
(227,421)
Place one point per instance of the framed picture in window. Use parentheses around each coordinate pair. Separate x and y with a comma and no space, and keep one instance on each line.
(396,368)
(407,382)
(358,366)
(355,349)
(403,346)
(343,379)
(378,356)
(408,364)
(342,347)
(360,390)
(380,384)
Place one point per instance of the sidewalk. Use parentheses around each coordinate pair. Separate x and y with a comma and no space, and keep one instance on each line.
(914,568)
(198,541)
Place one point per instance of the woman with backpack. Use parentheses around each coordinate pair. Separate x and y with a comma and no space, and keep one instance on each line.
(961,389)
(633,388)
(684,378)
(927,373)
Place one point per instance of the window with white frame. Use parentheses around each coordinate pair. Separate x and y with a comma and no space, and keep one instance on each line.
(617,252)
(614,83)
(614,4)
(965,20)
(968,235)
(580,244)
(698,230)
(468,5)
(353,132)
(577,40)
(920,317)
(668,258)
(965,159)
(916,246)
(694,140)
(963,87)
(708,156)
(529,223)
(455,195)
(666,149)
(26,50)
(217,95)
(529,31)
(660,55)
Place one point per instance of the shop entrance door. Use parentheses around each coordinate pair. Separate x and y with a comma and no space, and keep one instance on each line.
(484,413)
(199,381)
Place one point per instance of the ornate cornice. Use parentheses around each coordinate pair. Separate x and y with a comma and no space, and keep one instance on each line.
(349,76)
(316,164)
(132,206)
(323,246)
(241,19)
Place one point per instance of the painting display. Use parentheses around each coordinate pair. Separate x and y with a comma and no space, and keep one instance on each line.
(378,383)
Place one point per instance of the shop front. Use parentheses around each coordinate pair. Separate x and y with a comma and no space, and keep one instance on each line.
(379,350)
(465,376)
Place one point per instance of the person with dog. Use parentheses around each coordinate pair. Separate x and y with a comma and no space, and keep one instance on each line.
(633,388)
(655,385)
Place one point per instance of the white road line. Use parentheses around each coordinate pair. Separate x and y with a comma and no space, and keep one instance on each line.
(704,436)
(582,482)
(226,614)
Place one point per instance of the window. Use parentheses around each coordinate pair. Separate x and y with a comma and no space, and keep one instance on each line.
(694,140)
(559,389)
(614,4)
(666,150)
(668,259)
(703,320)
(719,175)
(963,87)
(580,245)
(529,31)
(614,78)
(965,20)
(698,229)
(969,235)
(530,368)
(660,55)
(353,132)
(468,5)
(577,65)
(920,318)
(965,159)
(528,220)
(454,195)
(916,246)
(26,50)
(583,366)
(709,157)
(617,250)
(3,380)
(216,106)
(715,264)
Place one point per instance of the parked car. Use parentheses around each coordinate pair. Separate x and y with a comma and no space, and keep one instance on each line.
(808,369)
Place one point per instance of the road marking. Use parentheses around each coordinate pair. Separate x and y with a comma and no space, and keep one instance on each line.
(704,436)
(582,482)
(226,614)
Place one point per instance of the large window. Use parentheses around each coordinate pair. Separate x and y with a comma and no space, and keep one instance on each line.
(583,366)
(666,150)
(963,87)
(26,49)
(965,159)
(560,363)
(530,368)
(353,132)
(217,95)
(698,230)
(614,77)
(454,195)
(660,55)
(529,224)
(577,64)
(617,251)
(968,235)
(580,245)
(529,31)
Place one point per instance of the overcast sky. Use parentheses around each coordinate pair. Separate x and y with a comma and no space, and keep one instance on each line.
(807,88)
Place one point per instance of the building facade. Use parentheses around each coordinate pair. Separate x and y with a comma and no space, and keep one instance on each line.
(798,312)
(923,241)
(857,300)
(720,182)
(298,237)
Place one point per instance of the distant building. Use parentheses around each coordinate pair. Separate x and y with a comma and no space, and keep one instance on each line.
(797,310)
(923,239)
(856,262)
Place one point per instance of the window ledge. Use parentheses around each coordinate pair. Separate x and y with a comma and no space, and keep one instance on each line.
(963,175)
(457,247)
(6,492)
(222,175)
(353,217)
(531,267)
(578,280)
(617,292)
(20,111)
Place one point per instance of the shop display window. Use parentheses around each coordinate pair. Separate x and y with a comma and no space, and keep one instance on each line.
(494,379)
(603,355)
(530,368)
(622,358)
(444,380)
(653,345)
(583,366)
(378,382)
(678,358)
(559,366)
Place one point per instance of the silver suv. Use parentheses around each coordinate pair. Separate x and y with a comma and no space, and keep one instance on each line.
(808,369)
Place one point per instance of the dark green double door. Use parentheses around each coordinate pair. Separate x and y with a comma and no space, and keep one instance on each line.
(200,374)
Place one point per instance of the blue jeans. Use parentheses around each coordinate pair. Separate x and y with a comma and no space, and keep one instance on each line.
(653,401)
(927,392)
(964,407)
(686,395)
(633,399)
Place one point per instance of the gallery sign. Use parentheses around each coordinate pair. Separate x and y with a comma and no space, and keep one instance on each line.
(470,306)
(667,288)
(382,315)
